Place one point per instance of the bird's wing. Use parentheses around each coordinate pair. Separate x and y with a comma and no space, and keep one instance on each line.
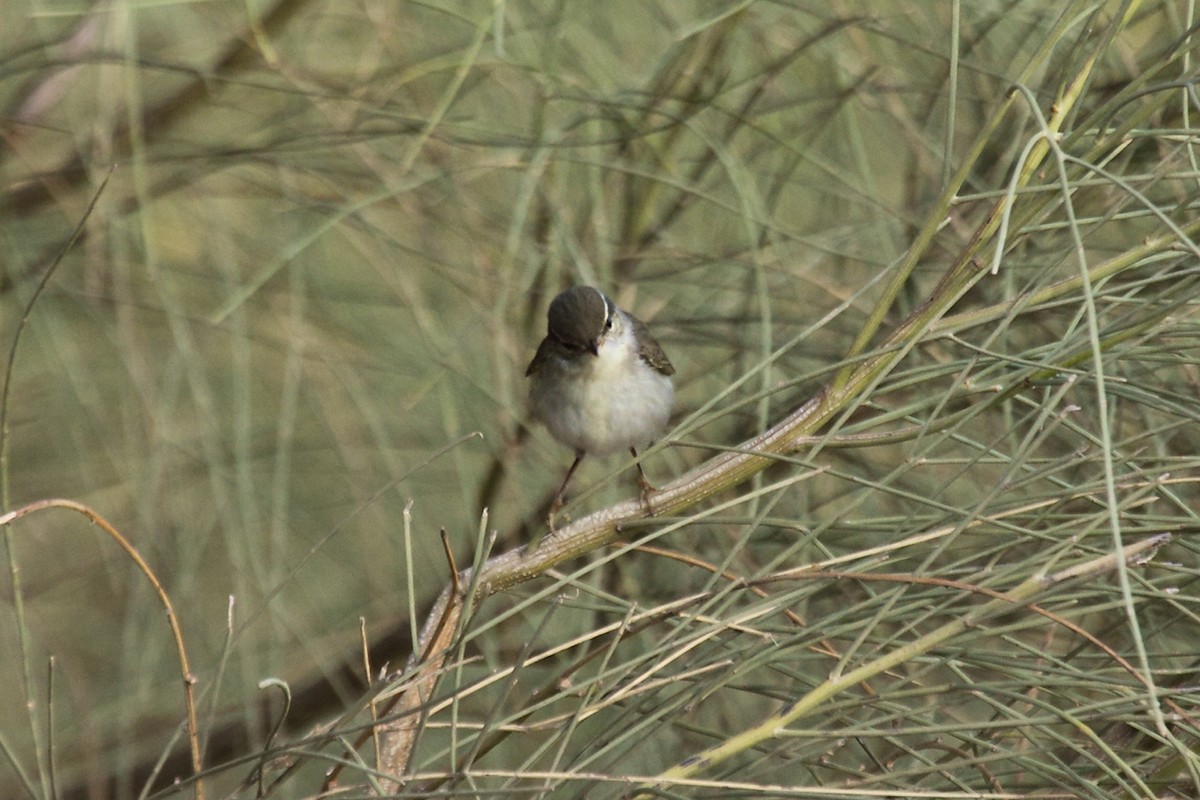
(539,358)
(649,349)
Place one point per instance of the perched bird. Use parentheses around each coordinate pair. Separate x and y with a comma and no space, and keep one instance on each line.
(600,382)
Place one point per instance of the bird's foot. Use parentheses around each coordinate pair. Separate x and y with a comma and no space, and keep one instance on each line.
(645,485)
(647,488)
(551,517)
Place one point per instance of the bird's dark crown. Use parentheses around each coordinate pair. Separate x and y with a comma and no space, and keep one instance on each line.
(579,316)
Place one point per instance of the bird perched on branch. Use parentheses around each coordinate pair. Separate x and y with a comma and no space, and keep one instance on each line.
(600,381)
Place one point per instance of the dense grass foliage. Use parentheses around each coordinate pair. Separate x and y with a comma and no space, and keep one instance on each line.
(929,276)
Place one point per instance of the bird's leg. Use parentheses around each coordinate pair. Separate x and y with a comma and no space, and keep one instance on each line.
(558,496)
(644,484)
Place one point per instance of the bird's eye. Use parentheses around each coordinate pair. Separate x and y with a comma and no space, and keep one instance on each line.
(608,324)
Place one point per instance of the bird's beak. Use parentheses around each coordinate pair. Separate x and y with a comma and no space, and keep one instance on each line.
(594,347)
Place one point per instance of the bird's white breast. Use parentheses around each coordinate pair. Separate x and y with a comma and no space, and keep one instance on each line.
(605,403)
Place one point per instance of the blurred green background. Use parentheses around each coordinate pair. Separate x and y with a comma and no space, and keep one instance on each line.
(321,262)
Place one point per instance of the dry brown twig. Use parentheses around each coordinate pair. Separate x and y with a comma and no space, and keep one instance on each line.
(189,680)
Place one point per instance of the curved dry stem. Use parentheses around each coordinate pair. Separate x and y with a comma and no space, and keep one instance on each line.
(189,680)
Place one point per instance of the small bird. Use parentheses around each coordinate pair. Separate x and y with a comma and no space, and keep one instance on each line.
(601,383)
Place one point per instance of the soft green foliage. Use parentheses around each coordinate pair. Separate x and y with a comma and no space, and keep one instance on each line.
(321,263)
